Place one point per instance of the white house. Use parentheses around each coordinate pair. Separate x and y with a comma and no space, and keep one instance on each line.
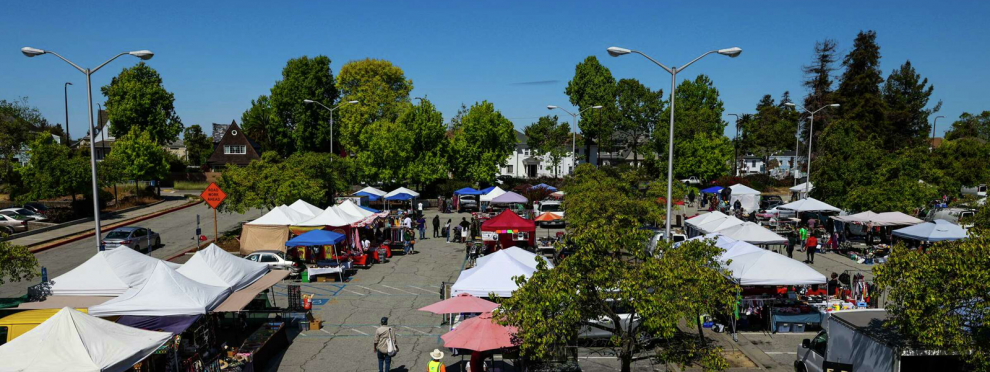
(524,164)
(781,165)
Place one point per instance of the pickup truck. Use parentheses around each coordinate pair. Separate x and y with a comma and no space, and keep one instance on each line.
(856,341)
(691,180)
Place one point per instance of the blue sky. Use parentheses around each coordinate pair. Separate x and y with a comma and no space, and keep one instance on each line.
(217,56)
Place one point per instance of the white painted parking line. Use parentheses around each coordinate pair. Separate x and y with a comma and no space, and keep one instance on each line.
(361,286)
(326,331)
(357,293)
(780,352)
(412,293)
(415,330)
(355,330)
(424,290)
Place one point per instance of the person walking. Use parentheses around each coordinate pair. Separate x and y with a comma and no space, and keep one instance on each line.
(811,245)
(803,233)
(421,225)
(791,241)
(465,225)
(691,197)
(384,340)
(436,365)
(419,209)
(446,230)
(407,238)
(436,227)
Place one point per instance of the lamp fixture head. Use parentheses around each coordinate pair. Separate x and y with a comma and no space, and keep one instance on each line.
(834,105)
(731,52)
(142,54)
(596,107)
(31,52)
(551,107)
(307,101)
(616,51)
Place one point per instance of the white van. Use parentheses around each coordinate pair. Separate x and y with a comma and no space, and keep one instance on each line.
(554,207)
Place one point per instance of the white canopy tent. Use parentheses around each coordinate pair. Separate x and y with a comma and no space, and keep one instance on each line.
(305,208)
(281,215)
(879,219)
(693,222)
(496,192)
(372,190)
(167,292)
(107,273)
(748,197)
(330,217)
(753,233)
(769,268)
(402,190)
(809,205)
(350,208)
(350,217)
(525,257)
(73,341)
(495,276)
(214,266)
(737,248)
(719,224)
(800,190)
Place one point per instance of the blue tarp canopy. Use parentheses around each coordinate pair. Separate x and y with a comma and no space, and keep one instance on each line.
(940,230)
(712,190)
(544,186)
(369,209)
(368,194)
(468,191)
(316,237)
(400,196)
(487,190)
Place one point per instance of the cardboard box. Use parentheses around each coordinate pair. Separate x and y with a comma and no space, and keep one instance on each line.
(315,324)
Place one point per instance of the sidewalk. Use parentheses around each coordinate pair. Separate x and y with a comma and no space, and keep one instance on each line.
(107,220)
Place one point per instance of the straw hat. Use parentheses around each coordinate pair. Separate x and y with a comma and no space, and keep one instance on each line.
(436,354)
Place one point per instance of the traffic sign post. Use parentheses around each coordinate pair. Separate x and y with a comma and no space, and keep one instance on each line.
(213,196)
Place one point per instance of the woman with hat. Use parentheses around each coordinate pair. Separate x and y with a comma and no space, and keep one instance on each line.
(436,365)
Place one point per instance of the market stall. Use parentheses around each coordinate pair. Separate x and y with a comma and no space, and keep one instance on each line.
(107,273)
(214,266)
(73,341)
(525,257)
(937,231)
(718,224)
(748,197)
(753,233)
(693,222)
(320,239)
(508,230)
(167,292)
(801,191)
(372,193)
(305,208)
(495,276)
(271,231)
(809,205)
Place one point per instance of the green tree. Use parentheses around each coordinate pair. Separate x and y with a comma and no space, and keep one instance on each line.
(19,124)
(382,91)
(859,87)
(17,263)
(964,162)
(52,171)
(771,130)
(969,125)
(698,128)
(430,147)
(309,124)
(613,269)
(387,151)
(482,144)
(818,81)
(267,183)
(335,174)
(906,96)
(593,85)
(260,123)
(199,146)
(136,98)
(706,156)
(546,137)
(848,157)
(639,111)
(938,298)
(141,157)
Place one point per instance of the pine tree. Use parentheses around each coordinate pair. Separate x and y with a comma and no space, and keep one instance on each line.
(818,81)
(906,94)
(859,86)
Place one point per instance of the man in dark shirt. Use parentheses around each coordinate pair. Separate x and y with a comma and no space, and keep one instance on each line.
(833,284)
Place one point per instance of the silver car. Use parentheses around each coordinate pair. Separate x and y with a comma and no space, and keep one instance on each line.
(133,237)
(27,213)
(12,223)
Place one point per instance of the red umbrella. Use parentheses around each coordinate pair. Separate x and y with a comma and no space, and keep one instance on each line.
(479,334)
(462,303)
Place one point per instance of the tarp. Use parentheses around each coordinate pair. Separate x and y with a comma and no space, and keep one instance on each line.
(281,215)
(400,197)
(303,207)
(316,237)
(468,191)
(214,266)
(330,217)
(370,209)
(402,190)
(747,197)
(73,341)
(701,219)
(263,238)
(494,193)
(544,186)
(488,189)
(174,324)
(940,230)
(510,197)
(809,205)
(712,190)
(769,268)
(753,233)
(508,220)
(800,188)
(371,197)
(495,276)
(107,273)
(718,224)
(165,293)
(880,219)
(525,257)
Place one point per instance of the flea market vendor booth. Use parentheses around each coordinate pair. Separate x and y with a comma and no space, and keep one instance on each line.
(508,229)
(321,239)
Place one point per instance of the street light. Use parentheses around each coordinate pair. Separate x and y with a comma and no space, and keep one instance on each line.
(331,116)
(574,132)
(66,92)
(811,132)
(142,54)
(735,145)
(931,145)
(615,52)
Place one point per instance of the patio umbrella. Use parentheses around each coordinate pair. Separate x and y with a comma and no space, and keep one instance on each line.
(479,334)
(462,303)
(547,217)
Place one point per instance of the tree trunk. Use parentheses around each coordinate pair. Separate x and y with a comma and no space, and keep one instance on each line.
(701,333)
(587,151)
(626,359)
(137,189)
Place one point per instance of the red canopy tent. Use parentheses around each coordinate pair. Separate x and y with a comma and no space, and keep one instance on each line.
(508,225)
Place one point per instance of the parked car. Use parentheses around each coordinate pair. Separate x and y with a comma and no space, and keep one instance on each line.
(27,213)
(36,207)
(275,260)
(554,207)
(770,201)
(133,237)
(467,203)
(692,181)
(10,224)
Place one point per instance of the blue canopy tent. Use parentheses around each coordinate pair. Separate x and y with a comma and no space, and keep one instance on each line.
(371,197)
(712,190)
(318,238)
(369,209)
(487,190)
(544,186)
(468,191)
(940,230)
(400,197)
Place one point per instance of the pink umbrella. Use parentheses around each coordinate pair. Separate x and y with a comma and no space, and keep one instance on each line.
(479,334)
(462,303)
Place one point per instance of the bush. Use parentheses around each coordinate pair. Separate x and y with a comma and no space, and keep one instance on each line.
(60,215)
(726,181)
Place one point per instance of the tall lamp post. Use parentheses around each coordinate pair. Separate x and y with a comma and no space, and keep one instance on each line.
(615,52)
(574,131)
(811,133)
(66,89)
(142,54)
(331,116)
(735,145)
(931,145)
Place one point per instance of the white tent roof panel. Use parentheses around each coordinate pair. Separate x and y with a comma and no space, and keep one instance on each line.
(214,266)
(495,276)
(107,273)
(402,190)
(769,268)
(753,233)
(167,292)
(809,205)
(305,208)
